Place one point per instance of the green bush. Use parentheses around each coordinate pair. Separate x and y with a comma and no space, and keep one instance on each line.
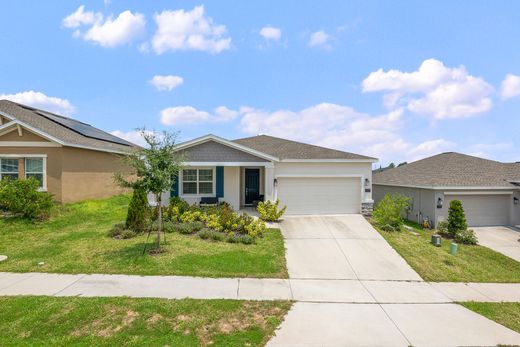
(169,227)
(119,231)
(456,218)
(247,239)
(387,213)
(191,216)
(466,237)
(216,236)
(269,212)
(205,233)
(442,228)
(22,197)
(138,211)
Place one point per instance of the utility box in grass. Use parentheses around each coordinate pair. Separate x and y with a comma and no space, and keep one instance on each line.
(436,240)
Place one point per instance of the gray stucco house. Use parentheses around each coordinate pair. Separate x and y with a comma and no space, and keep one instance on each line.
(307,179)
(489,190)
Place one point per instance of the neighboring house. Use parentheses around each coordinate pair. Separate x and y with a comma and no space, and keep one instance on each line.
(72,160)
(489,190)
(307,179)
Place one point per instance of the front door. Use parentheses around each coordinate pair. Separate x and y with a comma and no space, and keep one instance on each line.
(252,183)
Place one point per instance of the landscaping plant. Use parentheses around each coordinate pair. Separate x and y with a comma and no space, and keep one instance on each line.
(153,169)
(269,211)
(387,213)
(138,214)
(456,218)
(23,198)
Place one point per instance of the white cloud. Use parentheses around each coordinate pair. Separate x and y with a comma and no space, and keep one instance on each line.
(80,17)
(189,115)
(433,89)
(188,30)
(341,127)
(39,100)
(271,33)
(107,32)
(134,136)
(510,87)
(169,82)
(319,39)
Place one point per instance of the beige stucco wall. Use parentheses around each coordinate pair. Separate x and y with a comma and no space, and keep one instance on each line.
(26,136)
(89,174)
(364,170)
(54,160)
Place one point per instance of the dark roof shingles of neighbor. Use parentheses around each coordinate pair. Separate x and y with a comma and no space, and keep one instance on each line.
(29,116)
(287,149)
(451,170)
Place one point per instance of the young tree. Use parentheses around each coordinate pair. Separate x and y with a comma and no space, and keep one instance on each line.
(456,218)
(155,167)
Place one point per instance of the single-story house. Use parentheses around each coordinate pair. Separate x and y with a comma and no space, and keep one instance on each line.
(72,160)
(307,179)
(489,190)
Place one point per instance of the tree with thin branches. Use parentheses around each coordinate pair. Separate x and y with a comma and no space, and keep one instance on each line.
(154,168)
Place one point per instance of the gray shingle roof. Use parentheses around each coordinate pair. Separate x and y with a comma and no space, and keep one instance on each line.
(287,149)
(451,170)
(35,119)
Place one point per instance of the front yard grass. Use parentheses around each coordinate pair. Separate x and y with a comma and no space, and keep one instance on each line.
(505,313)
(75,240)
(436,264)
(55,321)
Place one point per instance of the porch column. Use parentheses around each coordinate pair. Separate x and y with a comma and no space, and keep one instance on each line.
(269,183)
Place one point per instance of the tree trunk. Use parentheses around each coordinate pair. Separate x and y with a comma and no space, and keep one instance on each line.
(159,219)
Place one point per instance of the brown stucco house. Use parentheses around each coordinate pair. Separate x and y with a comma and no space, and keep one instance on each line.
(72,160)
(489,190)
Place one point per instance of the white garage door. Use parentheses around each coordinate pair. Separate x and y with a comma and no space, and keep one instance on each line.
(484,210)
(320,195)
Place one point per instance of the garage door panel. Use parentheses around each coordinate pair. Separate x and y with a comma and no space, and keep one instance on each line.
(484,210)
(320,195)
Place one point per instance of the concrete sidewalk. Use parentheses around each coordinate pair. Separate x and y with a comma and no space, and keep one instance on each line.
(306,290)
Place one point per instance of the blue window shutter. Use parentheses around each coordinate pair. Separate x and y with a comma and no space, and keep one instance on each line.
(174,192)
(220,181)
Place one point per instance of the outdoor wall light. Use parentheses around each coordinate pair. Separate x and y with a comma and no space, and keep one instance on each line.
(276,182)
(439,203)
(516,201)
(367,182)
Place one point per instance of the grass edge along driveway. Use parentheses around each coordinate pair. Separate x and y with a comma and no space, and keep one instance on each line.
(436,264)
(52,321)
(505,313)
(75,241)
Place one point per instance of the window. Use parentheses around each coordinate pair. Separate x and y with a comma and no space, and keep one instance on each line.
(197,181)
(9,168)
(34,168)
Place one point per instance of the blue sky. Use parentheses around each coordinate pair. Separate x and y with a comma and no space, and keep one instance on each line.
(396,80)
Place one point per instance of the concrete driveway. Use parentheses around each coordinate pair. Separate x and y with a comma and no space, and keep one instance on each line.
(340,247)
(505,240)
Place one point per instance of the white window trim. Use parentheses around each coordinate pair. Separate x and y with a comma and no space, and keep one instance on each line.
(44,179)
(9,173)
(35,156)
(197,195)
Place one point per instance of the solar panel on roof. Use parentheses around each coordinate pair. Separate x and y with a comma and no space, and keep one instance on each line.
(83,128)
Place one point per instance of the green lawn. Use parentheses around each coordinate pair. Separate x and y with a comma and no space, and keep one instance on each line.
(74,241)
(505,313)
(52,321)
(471,264)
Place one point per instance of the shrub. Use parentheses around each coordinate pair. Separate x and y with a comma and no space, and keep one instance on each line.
(138,211)
(387,212)
(119,231)
(175,209)
(247,239)
(189,228)
(233,238)
(213,222)
(216,236)
(21,197)
(205,233)
(169,227)
(467,237)
(191,216)
(442,228)
(269,210)
(456,218)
